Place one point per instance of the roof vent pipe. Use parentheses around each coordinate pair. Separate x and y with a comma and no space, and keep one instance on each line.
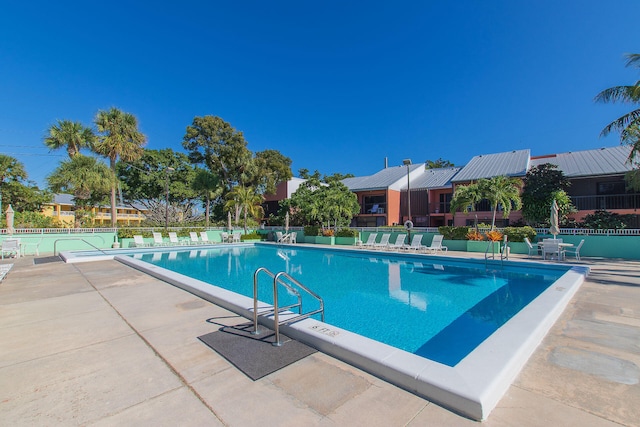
(386,162)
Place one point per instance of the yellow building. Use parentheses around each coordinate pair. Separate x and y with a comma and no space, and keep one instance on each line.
(62,210)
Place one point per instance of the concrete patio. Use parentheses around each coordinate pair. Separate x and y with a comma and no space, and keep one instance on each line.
(102,344)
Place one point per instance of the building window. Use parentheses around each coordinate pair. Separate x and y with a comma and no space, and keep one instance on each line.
(612,187)
(374,204)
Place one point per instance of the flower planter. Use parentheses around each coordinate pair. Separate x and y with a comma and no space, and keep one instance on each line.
(321,240)
(310,239)
(477,245)
(452,245)
(345,241)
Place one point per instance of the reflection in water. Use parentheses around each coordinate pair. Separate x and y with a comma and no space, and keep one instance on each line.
(416,300)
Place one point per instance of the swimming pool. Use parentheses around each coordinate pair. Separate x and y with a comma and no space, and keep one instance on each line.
(441,311)
(471,387)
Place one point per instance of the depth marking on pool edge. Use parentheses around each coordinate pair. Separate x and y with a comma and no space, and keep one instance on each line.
(324,330)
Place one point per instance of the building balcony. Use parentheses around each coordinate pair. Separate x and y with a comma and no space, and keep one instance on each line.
(608,202)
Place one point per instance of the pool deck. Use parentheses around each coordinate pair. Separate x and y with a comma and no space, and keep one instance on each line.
(100,343)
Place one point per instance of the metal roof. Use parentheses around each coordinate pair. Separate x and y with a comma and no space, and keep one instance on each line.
(434,178)
(388,178)
(511,163)
(601,161)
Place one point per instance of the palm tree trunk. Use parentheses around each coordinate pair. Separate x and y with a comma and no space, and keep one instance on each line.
(114,218)
(493,221)
(245,221)
(206,214)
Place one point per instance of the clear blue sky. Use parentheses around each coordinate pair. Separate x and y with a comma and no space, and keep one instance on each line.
(336,87)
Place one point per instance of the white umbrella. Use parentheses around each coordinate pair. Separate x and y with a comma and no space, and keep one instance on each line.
(554,229)
(286,223)
(10,220)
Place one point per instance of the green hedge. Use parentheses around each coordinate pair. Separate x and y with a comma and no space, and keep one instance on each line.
(517,234)
(454,233)
(347,232)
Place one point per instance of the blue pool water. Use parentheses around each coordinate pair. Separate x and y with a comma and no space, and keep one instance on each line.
(436,309)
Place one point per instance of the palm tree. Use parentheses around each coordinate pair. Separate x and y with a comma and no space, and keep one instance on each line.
(69,134)
(501,191)
(465,198)
(629,124)
(208,185)
(246,200)
(88,179)
(119,138)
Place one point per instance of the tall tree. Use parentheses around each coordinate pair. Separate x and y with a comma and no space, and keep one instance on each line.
(15,190)
(72,135)
(629,123)
(207,185)
(215,143)
(501,191)
(118,137)
(271,167)
(543,184)
(144,182)
(437,164)
(247,201)
(88,179)
(498,190)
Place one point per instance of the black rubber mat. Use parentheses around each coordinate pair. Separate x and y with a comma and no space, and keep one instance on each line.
(255,355)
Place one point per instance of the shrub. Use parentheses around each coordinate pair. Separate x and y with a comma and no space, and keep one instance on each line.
(604,220)
(453,233)
(517,234)
(311,230)
(251,236)
(347,232)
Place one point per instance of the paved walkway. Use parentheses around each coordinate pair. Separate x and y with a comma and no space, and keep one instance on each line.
(102,344)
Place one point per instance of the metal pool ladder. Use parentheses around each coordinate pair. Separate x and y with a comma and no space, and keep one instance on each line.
(503,250)
(293,286)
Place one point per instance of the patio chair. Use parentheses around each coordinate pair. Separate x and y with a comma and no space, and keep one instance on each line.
(436,244)
(4,270)
(374,209)
(399,243)
(204,237)
(384,241)
(236,238)
(138,241)
(11,248)
(293,237)
(279,237)
(371,240)
(173,239)
(194,238)
(533,250)
(551,248)
(416,243)
(31,246)
(574,251)
(157,239)
(224,237)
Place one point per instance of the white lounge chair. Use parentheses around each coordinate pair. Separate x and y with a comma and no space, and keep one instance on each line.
(574,251)
(138,241)
(11,247)
(416,243)
(157,239)
(371,240)
(384,241)
(173,239)
(436,244)
(4,270)
(399,243)
(194,238)
(204,237)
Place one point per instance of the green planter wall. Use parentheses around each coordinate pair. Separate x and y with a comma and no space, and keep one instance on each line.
(346,241)
(321,240)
